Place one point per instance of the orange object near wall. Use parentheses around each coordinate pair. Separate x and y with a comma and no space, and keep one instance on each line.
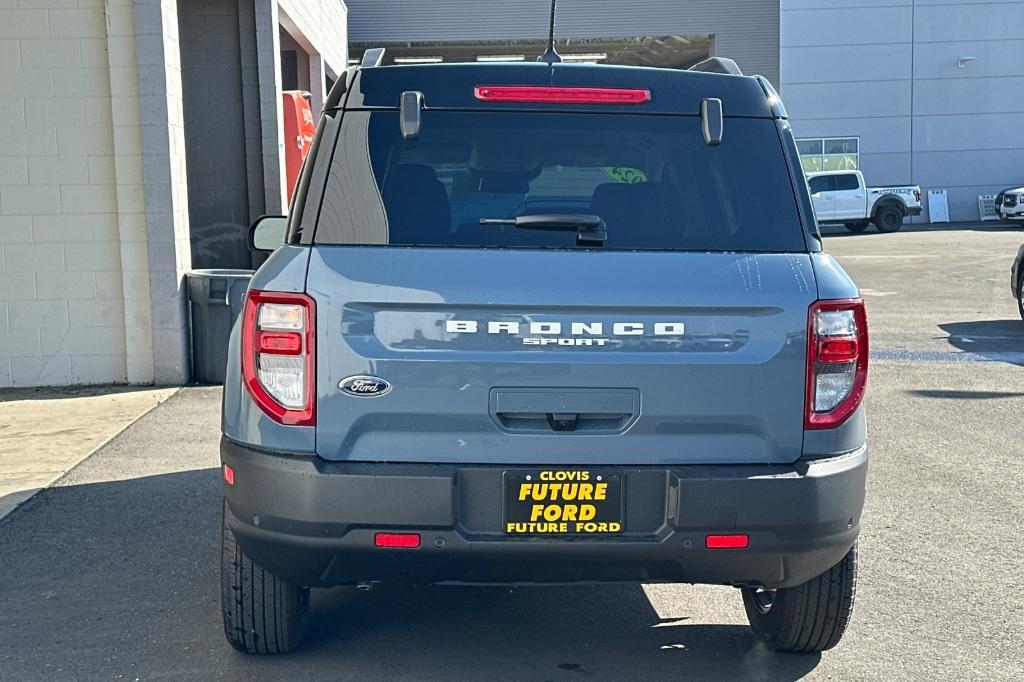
(299,129)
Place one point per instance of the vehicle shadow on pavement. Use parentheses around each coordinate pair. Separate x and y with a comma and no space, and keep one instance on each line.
(606,631)
(998,340)
(121,578)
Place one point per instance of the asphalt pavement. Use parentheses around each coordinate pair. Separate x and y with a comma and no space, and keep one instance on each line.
(112,573)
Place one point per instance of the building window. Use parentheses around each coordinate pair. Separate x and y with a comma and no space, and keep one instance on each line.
(829,153)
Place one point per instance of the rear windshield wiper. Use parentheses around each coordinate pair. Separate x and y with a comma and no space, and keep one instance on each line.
(589,228)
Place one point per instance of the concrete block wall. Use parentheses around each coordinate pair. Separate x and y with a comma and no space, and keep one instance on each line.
(162,135)
(93,222)
(62,315)
(124,106)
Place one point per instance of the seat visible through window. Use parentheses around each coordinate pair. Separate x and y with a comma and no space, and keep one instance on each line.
(415,198)
(638,214)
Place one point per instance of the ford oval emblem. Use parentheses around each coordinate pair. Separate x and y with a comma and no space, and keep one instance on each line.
(364,386)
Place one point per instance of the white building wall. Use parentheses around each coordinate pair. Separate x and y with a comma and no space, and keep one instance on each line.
(321,28)
(61,294)
(886,71)
(324,28)
(745,30)
(91,194)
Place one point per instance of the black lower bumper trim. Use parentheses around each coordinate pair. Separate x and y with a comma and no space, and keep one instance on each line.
(313,522)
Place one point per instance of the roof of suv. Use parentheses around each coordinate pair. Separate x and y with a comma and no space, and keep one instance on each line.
(451,86)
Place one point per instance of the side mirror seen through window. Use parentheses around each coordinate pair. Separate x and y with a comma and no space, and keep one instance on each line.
(267,233)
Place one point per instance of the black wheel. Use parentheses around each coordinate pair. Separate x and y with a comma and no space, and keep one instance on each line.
(809,617)
(1020,293)
(262,613)
(888,219)
(857,227)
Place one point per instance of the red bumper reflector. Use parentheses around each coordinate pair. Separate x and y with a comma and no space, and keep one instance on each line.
(542,94)
(408,540)
(735,541)
(229,475)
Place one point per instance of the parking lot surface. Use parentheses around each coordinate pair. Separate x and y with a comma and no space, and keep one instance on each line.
(113,572)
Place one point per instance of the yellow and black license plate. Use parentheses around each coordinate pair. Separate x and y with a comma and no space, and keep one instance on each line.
(563,502)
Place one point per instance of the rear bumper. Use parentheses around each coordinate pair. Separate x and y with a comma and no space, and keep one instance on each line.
(913,210)
(313,522)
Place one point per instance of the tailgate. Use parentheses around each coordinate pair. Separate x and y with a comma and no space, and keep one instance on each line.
(555,357)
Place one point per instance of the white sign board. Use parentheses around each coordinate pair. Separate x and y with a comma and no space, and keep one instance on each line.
(987,207)
(938,206)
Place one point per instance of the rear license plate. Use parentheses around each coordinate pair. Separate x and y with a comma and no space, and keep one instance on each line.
(563,502)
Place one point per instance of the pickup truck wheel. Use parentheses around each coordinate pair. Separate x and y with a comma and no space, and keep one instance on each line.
(262,613)
(809,617)
(858,226)
(889,219)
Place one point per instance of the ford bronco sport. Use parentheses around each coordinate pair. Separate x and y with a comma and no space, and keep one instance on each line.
(546,323)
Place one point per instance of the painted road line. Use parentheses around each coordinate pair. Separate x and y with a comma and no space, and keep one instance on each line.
(1014,358)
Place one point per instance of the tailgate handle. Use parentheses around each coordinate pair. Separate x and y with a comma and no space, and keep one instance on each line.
(565,410)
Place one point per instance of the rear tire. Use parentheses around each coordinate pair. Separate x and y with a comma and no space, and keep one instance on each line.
(888,219)
(262,613)
(1020,293)
(809,617)
(858,226)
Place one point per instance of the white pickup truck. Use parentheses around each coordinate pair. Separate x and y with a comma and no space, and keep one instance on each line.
(842,197)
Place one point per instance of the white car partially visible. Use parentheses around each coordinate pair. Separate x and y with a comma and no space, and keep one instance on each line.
(1010,204)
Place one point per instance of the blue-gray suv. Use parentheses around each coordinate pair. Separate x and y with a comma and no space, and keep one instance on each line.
(546,323)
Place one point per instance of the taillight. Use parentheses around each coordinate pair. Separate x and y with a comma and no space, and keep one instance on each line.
(555,95)
(278,355)
(837,361)
(917,195)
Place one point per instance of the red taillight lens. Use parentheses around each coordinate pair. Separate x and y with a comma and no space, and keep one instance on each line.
(539,94)
(279,354)
(837,349)
(837,361)
(229,475)
(917,195)
(732,541)
(406,540)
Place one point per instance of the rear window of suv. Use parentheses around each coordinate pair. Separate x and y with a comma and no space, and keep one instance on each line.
(650,178)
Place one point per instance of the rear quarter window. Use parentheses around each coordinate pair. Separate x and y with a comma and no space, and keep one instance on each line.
(650,178)
(819,184)
(846,182)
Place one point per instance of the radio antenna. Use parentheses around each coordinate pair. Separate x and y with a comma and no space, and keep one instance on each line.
(550,55)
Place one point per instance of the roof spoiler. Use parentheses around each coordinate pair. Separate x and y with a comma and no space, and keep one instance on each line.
(717,65)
